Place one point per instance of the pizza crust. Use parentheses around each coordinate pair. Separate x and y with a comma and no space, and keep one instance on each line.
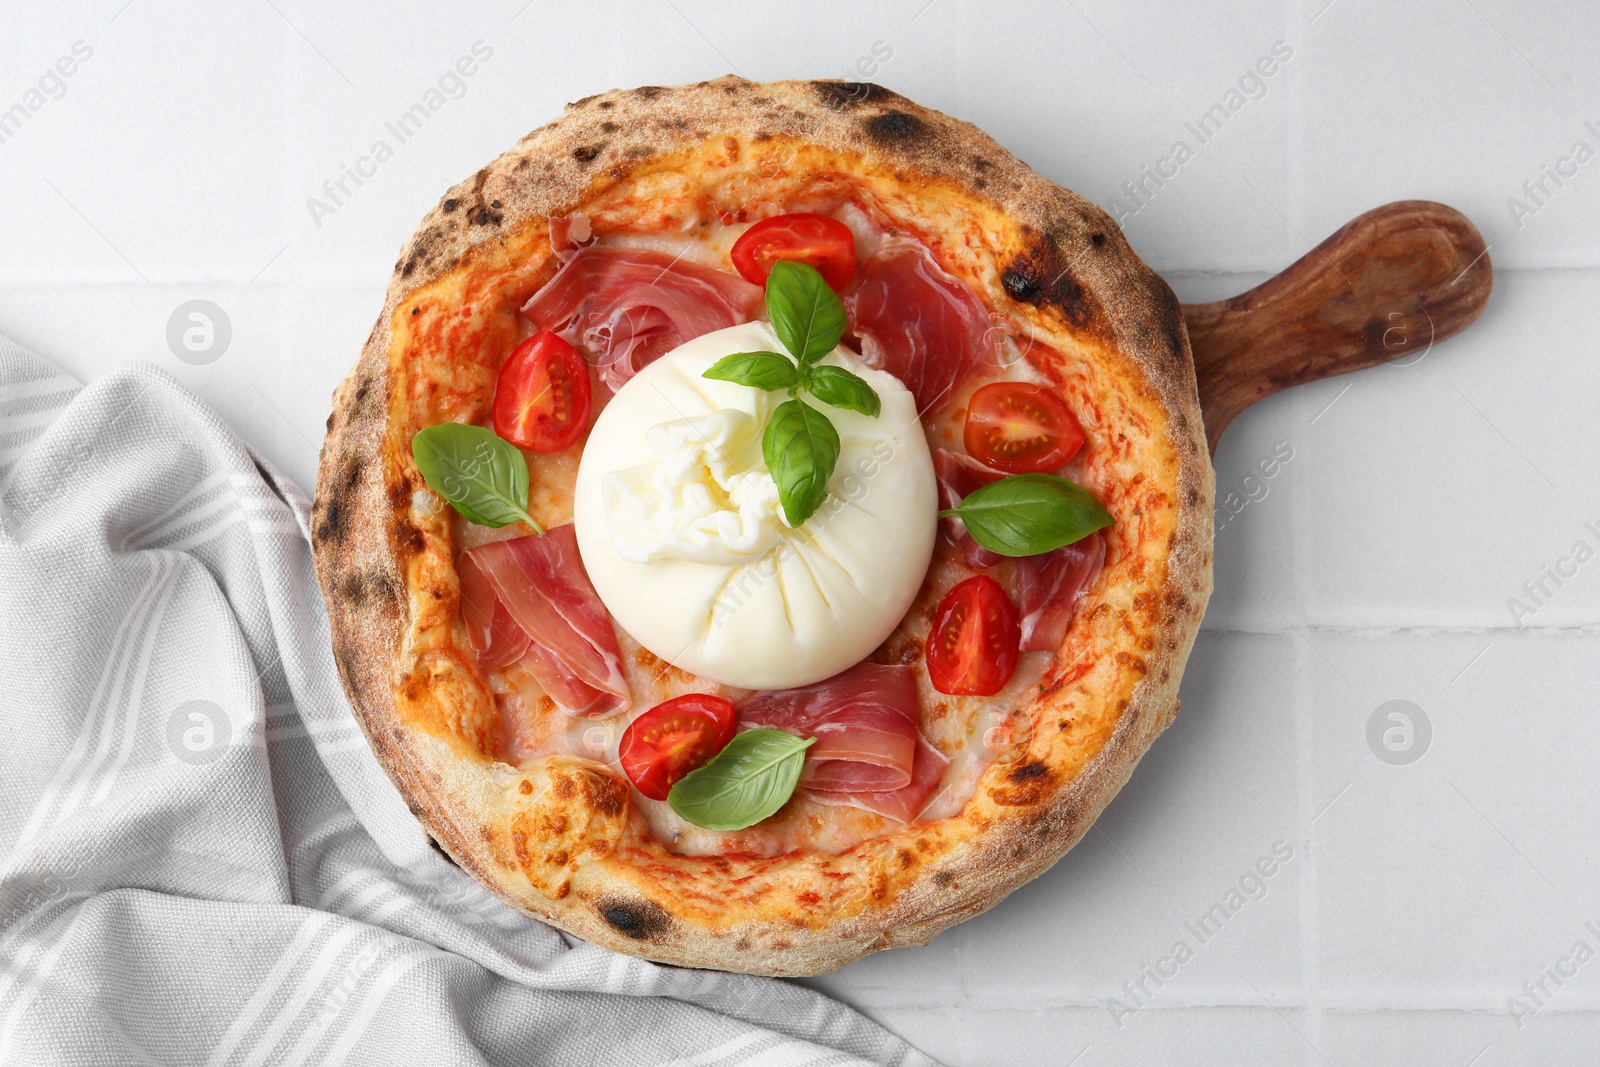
(553,839)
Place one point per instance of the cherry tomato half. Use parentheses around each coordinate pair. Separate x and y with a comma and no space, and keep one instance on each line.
(972,649)
(1020,428)
(804,237)
(541,399)
(673,738)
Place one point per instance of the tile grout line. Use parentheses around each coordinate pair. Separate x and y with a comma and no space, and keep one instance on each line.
(359,276)
(1295,25)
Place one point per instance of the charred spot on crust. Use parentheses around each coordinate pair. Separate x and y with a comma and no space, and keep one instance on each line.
(334,515)
(606,105)
(1029,771)
(352,467)
(840,95)
(943,879)
(450,205)
(359,587)
(586,153)
(893,127)
(638,151)
(648,92)
(409,537)
(1097,239)
(641,920)
(1042,276)
(609,127)
(331,528)
(1026,785)
(353,587)
(1169,319)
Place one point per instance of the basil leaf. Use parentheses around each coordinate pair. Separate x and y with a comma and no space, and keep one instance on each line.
(483,476)
(807,315)
(747,781)
(1027,514)
(761,370)
(800,447)
(837,386)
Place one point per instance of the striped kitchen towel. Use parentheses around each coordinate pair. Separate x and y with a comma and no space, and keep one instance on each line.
(204,863)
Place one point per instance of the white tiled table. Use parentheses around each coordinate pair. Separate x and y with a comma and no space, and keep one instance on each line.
(177,161)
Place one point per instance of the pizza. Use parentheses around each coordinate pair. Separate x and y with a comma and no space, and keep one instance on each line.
(766,524)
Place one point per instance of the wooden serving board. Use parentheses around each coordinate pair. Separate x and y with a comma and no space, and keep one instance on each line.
(1391,282)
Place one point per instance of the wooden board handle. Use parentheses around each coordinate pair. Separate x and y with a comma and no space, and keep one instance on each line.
(1394,281)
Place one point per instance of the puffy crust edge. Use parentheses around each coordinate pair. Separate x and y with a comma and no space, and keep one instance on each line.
(1079,273)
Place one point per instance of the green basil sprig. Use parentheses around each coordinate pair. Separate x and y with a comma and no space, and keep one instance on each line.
(482,475)
(837,386)
(767,371)
(747,781)
(807,315)
(799,444)
(801,448)
(1027,514)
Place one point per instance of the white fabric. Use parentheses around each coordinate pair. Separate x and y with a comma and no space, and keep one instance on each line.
(203,862)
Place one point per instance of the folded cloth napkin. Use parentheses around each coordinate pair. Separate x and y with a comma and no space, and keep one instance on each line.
(204,863)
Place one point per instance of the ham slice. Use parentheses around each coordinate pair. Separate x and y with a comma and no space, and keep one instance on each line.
(915,321)
(904,804)
(542,610)
(495,636)
(864,720)
(629,306)
(1049,587)
(959,475)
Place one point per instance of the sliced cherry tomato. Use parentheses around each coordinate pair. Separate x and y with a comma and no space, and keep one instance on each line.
(1020,428)
(972,649)
(672,739)
(541,400)
(804,237)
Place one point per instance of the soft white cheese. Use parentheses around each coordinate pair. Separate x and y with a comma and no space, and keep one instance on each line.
(706,498)
(681,530)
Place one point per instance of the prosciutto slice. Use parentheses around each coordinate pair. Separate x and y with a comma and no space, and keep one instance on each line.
(864,720)
(542,610)
(629,306)
(495,636)
(901,805)
(959,475)
(915,321)
(1049,587)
